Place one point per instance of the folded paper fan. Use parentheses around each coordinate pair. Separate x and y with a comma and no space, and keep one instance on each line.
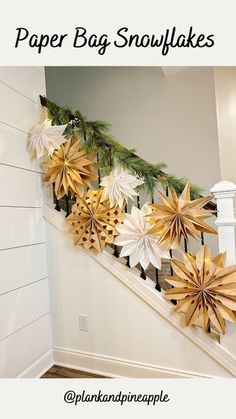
(204,289)
(93,221)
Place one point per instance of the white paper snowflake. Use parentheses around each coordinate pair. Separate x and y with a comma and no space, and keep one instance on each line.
(138,241)
(119,186)
(44,138)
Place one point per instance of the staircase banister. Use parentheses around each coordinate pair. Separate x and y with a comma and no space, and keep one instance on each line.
(160,176)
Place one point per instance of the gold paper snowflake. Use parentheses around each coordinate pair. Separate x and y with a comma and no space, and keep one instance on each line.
(204,289)
(180,217)
(71,169)
(94,221)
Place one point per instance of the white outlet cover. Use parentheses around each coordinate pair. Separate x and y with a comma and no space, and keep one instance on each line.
(83,322)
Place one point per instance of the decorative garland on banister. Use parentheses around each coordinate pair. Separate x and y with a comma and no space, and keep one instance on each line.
(99,137)
(205,290)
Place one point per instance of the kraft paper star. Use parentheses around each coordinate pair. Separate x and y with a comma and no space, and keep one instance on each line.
(204,289)
(179,217)
(93,221)
(71,169)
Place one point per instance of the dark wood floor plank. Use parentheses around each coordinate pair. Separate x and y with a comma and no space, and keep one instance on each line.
(61,372)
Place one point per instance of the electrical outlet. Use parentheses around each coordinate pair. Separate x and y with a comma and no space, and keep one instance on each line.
(83,322)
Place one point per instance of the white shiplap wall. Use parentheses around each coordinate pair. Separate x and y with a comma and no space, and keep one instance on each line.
(25,324)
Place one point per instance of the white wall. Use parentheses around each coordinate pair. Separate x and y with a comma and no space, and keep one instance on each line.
(25,328)
(170,119)
(121,325)
(225,88)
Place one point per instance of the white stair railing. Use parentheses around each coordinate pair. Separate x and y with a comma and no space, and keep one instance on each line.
(224,193)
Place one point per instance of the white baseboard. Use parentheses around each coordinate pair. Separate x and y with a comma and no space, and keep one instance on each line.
(115,367)
(39,367)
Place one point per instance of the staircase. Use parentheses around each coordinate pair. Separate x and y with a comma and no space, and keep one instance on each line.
(85,281)
(133,330)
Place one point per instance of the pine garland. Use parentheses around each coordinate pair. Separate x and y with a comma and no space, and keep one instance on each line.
(98,136)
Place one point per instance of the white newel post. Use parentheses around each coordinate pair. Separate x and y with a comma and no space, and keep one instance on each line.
(224,193)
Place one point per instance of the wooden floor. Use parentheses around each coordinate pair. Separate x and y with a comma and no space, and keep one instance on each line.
(61,372)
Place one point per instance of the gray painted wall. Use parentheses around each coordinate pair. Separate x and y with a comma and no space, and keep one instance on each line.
(170,119)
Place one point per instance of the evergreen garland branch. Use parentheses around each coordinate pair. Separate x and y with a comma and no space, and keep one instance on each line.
(98,136)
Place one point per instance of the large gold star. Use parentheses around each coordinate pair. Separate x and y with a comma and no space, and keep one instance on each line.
(205,289)
(180,217)
(70,169)
(93,222)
